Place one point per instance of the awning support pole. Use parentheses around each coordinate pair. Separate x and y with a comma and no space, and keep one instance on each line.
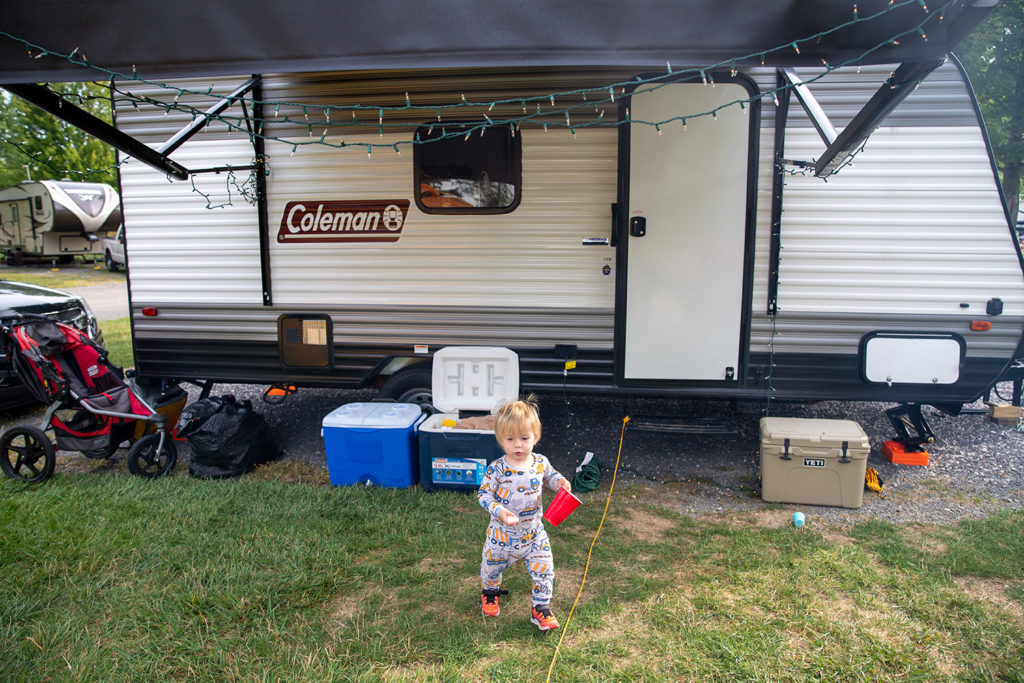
(896,89)
(51,102)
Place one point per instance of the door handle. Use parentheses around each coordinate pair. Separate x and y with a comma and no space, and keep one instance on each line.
(637,226)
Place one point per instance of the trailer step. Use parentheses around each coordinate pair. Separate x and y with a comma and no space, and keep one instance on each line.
(683,424)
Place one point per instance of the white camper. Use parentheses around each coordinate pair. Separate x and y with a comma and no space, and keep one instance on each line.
(798,207)
(56,218)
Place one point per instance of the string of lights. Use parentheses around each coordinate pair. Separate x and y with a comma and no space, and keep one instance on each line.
(571,110)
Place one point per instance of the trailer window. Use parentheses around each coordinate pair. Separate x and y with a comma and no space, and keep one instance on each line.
(305,341)
(460,170)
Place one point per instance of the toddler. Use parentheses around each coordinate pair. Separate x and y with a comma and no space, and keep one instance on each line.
(511,494)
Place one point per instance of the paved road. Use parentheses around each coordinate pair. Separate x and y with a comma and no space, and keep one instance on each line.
(107,302)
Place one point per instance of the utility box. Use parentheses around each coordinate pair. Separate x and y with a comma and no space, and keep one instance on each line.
(372,443)
(813,462)
(465,378)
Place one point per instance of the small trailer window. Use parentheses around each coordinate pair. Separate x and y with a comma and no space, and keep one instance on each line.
(305,341)
(461,168)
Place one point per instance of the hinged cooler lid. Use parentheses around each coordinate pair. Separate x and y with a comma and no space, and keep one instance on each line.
(474,377)
(814,431)
(395,415)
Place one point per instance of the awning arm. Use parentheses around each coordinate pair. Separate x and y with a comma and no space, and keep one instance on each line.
(182,136)
(896,89)
(814,111)
(51,102)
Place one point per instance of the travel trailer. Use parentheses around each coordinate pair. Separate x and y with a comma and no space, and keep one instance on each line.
(56,218)
(705,209)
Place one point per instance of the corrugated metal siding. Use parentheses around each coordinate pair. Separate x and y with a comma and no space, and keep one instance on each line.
(533,255)
(903,236)
(180,250)
(900,238)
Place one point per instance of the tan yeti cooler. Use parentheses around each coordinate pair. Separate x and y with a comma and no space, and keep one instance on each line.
(814,462)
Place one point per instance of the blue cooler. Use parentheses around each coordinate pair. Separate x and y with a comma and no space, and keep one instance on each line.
(372,443)
(465,378)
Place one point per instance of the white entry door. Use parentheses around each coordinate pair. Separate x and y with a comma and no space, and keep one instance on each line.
(687,212)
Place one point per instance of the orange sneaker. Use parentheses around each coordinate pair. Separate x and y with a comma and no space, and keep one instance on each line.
(543,618)
(489,602)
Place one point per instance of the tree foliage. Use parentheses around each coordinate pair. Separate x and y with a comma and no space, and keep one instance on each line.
(994,58)
(51,148)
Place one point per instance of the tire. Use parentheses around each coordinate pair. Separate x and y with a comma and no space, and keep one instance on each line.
(411,385)
(145,461)
(109,262)
(65,259)
(21,450)
(100,453)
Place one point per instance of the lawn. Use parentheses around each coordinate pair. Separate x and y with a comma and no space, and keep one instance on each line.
(111,577)
(77,274)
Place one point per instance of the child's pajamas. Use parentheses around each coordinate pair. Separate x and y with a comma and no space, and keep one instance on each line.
(519,492)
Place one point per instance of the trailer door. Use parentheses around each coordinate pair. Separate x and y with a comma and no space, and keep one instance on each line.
(689,206)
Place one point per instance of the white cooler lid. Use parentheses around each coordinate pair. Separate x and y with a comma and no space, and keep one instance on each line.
(474,377)
(398,415)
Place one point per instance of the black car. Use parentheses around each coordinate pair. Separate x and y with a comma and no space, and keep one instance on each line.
(18,298)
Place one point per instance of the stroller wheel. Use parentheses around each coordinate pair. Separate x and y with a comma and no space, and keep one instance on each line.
(145,461)
(26,453)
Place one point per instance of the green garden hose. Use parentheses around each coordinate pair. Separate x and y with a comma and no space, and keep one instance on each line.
(588,474)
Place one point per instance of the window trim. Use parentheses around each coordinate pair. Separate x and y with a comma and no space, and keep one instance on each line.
(517,170)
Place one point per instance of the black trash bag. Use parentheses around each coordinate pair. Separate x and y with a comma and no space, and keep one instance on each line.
(227,437)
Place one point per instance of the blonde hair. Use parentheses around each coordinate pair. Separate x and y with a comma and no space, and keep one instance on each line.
(514,415)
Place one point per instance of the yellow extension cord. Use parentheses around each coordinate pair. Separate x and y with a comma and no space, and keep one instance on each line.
(583,582)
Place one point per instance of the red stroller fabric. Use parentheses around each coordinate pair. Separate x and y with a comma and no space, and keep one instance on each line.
(59,363)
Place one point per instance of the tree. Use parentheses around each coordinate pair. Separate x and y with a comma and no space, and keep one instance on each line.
(50,148)
(994,58)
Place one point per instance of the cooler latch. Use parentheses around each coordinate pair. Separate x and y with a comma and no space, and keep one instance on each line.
(785,450)
(846,446)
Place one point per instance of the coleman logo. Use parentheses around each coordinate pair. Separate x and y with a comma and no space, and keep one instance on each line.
(356,221)
(814,462)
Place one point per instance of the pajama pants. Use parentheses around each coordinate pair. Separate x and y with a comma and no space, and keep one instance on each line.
(502,549)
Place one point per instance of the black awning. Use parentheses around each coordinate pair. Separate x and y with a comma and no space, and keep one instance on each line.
(156,39)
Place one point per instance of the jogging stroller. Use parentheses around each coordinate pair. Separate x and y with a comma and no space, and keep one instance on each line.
(92,409)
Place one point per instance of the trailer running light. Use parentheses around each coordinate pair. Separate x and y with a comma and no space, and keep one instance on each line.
(981,325)
(149,310)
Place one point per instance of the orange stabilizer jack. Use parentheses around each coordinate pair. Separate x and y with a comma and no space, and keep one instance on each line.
(896,453)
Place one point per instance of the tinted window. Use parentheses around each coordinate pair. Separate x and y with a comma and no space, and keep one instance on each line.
(458,170)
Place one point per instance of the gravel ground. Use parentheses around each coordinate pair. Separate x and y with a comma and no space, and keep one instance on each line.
(975,464)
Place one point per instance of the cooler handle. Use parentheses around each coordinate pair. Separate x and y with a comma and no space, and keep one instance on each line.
(845,458)
(785,450)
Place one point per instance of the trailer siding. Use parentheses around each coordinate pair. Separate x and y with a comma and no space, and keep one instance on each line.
(900,239)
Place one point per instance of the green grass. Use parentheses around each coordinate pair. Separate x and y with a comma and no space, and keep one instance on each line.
(110,577)
(117,339)
(77,274)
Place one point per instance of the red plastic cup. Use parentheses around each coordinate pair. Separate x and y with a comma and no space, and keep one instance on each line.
(561,507)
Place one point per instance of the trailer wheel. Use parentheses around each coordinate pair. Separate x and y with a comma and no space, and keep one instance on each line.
(411,385)
(26,453)
(109,262)
(15,257)
(145,461)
